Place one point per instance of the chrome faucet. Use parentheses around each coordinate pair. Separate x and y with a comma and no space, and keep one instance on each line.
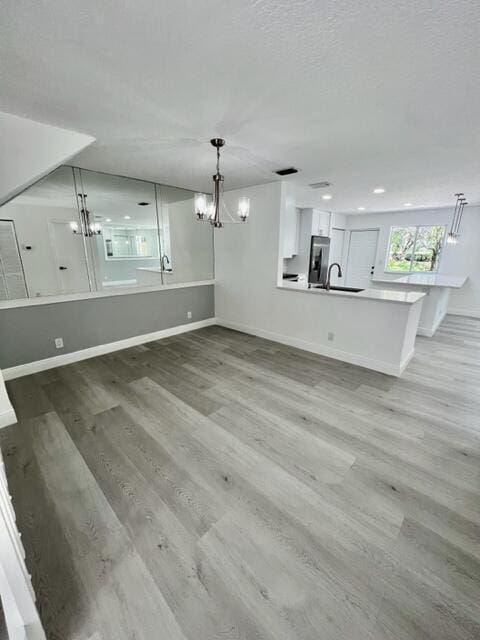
(166,259)
(334,264)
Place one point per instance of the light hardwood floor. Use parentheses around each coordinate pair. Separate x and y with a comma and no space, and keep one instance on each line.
(216,485)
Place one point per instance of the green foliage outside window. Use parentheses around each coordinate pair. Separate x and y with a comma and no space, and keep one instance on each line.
(415,248)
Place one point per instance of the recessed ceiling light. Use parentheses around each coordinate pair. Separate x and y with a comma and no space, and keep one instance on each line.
(361,208)
(127,217)
(407,204)
(326,196)
(108,219)
(379,190)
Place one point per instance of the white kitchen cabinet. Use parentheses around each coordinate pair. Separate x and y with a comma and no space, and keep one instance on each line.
(320,223)
(316,222)
(291,225)
(309,222)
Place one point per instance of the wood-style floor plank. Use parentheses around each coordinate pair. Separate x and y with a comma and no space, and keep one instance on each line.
(215,485)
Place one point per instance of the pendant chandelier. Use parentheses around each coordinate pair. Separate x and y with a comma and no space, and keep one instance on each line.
(88,228)
(454,233)
(207,208)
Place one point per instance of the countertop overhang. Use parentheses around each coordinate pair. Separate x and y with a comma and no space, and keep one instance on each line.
(379,295)
(427,280)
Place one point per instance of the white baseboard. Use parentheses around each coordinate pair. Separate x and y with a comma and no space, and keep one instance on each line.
(28,368)
(423,331)
(468,313)
(428,333)
(405,362)
(352,358)
(75,356)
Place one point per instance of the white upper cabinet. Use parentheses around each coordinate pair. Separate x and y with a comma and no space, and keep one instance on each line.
(291,224)
(318,222)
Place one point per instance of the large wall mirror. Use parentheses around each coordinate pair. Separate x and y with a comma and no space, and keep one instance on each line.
(78,231)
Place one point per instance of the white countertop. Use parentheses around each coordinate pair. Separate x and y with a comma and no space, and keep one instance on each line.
(427,280)
(403,297)
(155,270)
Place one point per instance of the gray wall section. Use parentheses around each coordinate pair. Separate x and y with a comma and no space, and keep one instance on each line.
(27,333)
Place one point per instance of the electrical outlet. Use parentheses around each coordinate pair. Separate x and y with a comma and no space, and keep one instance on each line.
(189,315)
(331,336)
(59,343)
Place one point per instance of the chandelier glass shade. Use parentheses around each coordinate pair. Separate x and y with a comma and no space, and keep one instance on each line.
(208,208)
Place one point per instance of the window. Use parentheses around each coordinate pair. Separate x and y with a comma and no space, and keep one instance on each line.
(124,243)
(413,249)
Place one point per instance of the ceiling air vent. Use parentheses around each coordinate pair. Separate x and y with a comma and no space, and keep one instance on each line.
(320,185)
(286,172)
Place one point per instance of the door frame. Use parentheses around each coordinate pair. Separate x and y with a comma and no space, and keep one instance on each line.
(51,233)
(350,231)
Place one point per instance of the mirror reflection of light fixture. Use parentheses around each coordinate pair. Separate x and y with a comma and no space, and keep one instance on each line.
(88,228)
(243,208)
(454,233)
(207,208)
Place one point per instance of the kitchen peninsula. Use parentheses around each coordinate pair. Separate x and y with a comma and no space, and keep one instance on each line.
(373,328)
(436,288)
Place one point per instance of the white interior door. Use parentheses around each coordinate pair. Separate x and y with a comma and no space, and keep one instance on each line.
(12,278)
(337,239)
(70,261)
(362,251)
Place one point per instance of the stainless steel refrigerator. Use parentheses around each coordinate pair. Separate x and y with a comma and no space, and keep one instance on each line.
(319,254)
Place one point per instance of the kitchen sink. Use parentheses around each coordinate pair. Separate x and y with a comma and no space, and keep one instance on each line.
(351,289)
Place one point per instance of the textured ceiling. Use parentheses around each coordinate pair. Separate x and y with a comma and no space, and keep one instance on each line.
(363,94)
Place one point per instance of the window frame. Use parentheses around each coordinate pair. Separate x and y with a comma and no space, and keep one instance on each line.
(115,258)
(417,227)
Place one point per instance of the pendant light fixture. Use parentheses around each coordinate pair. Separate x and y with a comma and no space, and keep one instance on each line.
(459,217)
(207,208)
(88,228)
(454,233)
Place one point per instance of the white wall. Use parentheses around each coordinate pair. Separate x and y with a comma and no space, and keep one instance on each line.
(30,150)
(32,229)
(191,244)
(464,258)
(460,259)
(247,297)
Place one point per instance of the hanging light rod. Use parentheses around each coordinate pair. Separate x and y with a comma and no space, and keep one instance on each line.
(88,228)
(454,233)
(207,208)
(463,202)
